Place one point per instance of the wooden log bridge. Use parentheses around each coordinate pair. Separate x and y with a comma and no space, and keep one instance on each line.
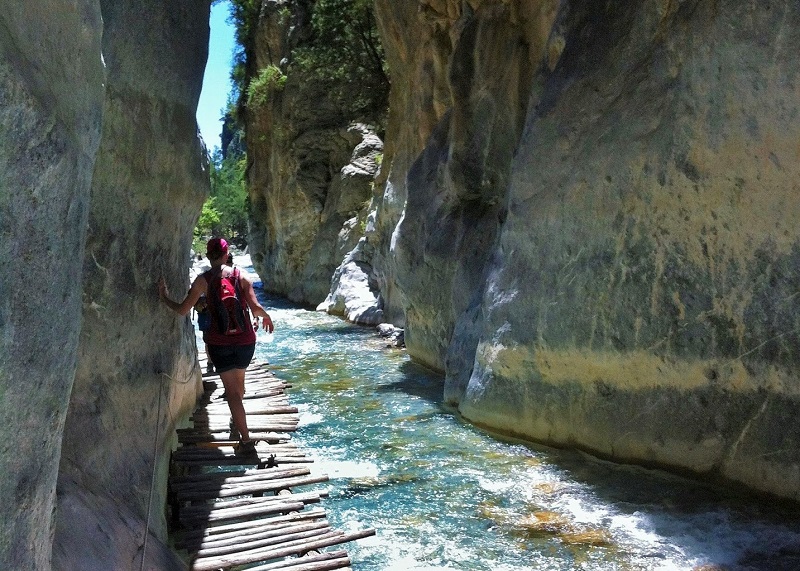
(229,511)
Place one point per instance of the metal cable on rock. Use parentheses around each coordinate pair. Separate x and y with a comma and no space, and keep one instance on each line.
(153,477)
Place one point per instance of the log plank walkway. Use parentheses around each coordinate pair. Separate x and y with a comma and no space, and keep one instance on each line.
(229,511)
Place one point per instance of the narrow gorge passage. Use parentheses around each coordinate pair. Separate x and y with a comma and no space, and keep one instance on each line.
(444,495)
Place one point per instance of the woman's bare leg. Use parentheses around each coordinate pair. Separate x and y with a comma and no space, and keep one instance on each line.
(233,381)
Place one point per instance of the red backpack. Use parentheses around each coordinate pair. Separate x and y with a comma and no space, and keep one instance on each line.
(227,310)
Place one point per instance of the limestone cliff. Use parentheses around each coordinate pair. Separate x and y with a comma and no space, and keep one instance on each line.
(51,90)
(135,378)
(584,218)
(97,104)
(651,239)
(311,165)
(588,223)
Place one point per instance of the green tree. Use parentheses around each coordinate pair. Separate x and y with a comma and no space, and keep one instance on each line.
(341,57)
(345,56)
(226,210)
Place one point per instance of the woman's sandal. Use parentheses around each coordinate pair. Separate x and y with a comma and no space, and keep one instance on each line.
(246,448)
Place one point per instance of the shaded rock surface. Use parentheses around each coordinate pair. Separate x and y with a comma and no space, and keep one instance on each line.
(135,374)
(51,93)
(101,181)
(106,534)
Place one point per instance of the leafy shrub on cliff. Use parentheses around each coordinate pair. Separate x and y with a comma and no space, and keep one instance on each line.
(269,80)
(336,54)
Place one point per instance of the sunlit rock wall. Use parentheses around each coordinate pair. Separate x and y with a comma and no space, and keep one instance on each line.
(461,76)
(643,298)
(51,90)
(311,170)
(135,377)
(595,234)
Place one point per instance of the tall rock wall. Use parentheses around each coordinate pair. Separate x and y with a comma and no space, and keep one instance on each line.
(311,166)
(653,208)
(136,376)
(463,71)
(51,90)
(586,220)
(102,176)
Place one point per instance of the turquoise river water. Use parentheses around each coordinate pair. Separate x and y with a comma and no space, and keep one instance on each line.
(444,495)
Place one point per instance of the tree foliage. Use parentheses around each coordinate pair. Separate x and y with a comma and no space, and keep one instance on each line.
(269,80)
(341,57)
(225,211)
(345,56)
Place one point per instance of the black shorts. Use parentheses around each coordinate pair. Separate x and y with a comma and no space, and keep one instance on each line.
(227,357)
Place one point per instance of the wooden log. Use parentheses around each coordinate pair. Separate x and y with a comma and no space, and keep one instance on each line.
(311,530)
(246,502)
(280,529)
(254,556)
(262,394)
(253,382)
(262,397)
(218,514)
(294,547)
(236,461)
(263,426)
(222,423)
(277,409)
(190,452)
(219,479)
(223,432)
(249,506)
(255,488)
(225,449)
(223,415)
(267,436)
(317,562)
(342,564)
(194,537)
(265,392)
(258,487)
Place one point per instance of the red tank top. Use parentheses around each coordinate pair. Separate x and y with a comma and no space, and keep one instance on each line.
(214,337)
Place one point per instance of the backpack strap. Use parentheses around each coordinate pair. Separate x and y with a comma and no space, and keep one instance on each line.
(237,275)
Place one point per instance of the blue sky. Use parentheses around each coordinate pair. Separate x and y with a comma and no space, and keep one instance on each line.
(216,81)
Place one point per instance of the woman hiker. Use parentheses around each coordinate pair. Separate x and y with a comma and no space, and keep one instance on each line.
(230,353)
(200,307)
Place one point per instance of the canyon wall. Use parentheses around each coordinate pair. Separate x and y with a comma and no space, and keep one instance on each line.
(642,298)
(136,362)
(584,219)
(51,93)
(102,176)
(595,241)
(311,170)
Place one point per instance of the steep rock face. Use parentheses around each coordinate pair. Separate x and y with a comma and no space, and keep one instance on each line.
(642,301)
(600,199)
(51,89)
(353,294)
(463,70)
(311,173)
(135,376)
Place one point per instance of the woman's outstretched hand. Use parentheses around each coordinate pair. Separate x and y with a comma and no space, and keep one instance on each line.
(266,323)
